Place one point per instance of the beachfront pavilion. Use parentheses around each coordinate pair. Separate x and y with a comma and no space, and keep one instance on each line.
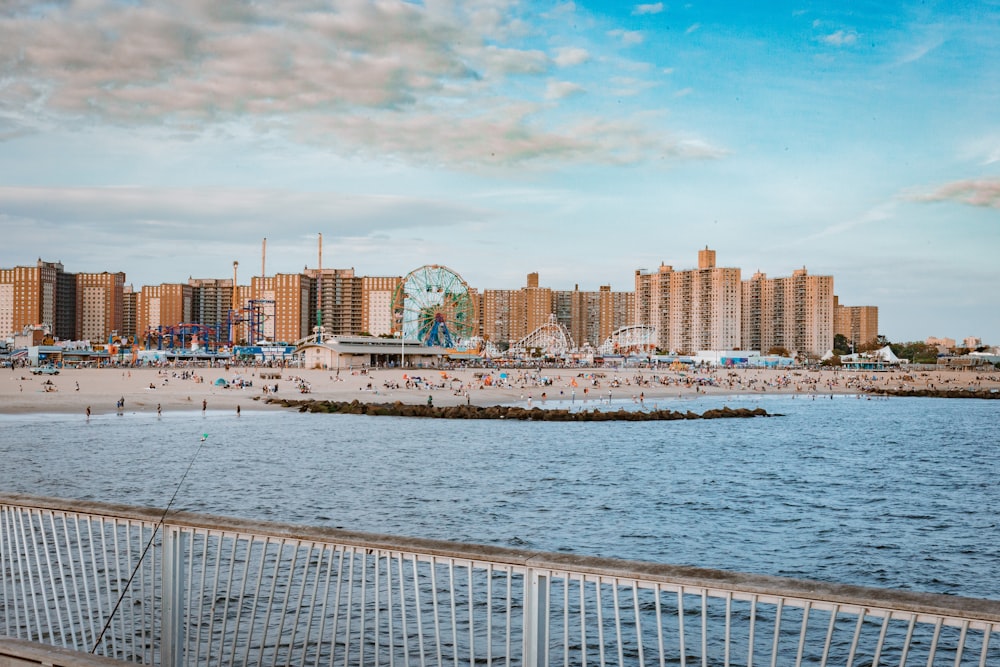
(346,352)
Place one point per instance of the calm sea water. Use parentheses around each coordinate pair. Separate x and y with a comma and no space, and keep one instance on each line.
(899,493)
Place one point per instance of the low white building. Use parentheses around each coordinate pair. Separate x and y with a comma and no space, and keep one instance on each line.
(346,352)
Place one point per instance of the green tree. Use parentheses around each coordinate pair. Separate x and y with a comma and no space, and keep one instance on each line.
(876,343)
(779,351)
(841,345)
(917,352)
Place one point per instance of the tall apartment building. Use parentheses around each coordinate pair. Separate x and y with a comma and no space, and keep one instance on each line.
(617,310)
(858,324)
(67,324)
(211,301)
(497,310)
(697,309)
(533,308)
(278,309)
(160,307)
(591,317)
(339,292)
(377,294)
(757,328)
(245,313)
(795,313)
(99,305)
(130,306)
(28,296)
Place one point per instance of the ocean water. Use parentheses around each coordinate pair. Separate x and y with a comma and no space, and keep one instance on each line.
(898,493)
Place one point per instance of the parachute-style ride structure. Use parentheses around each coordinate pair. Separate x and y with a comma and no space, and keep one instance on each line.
(551,340)
(633,339)
(433,305)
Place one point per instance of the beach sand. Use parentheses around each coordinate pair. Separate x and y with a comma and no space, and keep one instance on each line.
(75,390)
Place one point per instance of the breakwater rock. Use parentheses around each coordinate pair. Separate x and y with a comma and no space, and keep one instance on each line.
(398,409)
(938,393)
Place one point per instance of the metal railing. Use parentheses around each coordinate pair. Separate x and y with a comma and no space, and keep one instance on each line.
(177,589)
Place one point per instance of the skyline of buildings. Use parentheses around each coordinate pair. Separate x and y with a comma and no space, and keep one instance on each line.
(709,307)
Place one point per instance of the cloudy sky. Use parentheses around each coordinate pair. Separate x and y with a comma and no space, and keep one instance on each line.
(582,140)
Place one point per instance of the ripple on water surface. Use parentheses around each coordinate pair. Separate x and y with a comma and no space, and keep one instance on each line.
(897,493)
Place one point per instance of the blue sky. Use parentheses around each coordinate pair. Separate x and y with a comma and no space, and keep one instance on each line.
(582,140)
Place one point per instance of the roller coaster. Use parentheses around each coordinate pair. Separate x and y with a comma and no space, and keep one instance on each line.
(253,317)
(550,340)
(185,336)
(634,339)
(211,337)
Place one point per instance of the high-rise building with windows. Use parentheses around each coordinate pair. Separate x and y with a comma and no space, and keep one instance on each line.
(130,305)
(591,317)
(377,293)
(533,308)
(794,313)
(211,301)
(99,305)
(692,310)
(159,308)
(858,324)
(278,308)
(497,308)
(338,293)
(29,296)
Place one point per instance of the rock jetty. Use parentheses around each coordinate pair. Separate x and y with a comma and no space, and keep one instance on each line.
(938,393)
(398,409)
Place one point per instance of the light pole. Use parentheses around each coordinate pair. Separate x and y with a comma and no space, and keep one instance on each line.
(402,340)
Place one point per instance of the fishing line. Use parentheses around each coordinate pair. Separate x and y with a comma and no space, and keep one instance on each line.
(142,556)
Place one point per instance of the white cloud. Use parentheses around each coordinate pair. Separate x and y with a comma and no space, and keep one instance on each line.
(654,8)
(879,213)
(840,38)
(917,51)
(692,28)
(357,78)
(216,213)
(984,150)
(557,90)
(973,192)
(627,37)
(625,86)
(567,57)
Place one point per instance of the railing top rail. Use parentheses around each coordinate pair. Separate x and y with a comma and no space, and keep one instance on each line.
(21,652)
(607,568)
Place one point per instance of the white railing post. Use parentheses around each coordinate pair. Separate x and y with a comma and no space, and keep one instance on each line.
(535,604)
(172,605)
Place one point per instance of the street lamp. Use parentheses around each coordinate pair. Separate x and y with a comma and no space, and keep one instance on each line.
(402,340)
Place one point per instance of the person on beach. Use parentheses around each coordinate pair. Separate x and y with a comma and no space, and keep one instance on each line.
(204,405)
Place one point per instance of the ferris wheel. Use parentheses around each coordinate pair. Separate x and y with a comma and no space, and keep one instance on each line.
(433,305)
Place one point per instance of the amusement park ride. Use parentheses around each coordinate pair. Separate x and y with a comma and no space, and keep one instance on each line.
(433,305)
(211,337)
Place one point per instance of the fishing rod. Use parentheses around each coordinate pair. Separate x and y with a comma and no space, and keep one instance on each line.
(149,544)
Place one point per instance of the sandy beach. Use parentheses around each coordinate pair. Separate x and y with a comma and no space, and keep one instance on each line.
(194,389)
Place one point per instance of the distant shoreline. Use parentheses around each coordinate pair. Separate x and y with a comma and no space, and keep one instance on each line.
(194,389)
